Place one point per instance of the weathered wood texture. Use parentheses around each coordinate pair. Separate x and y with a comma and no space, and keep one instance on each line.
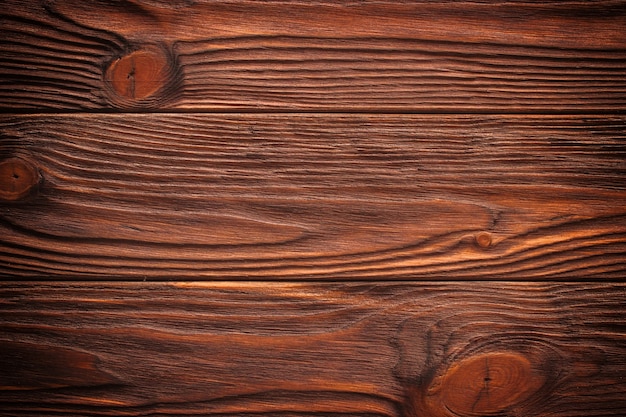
(271,160)
(563,56)
(363,349)
(313,196)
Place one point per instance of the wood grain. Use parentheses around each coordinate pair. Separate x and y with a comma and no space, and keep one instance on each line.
(395,56)
(306,196)
(325,191)
(293,349)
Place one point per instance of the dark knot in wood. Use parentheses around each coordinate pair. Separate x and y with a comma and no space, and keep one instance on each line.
(18,179)
(486,384)
(480,385)
(140,74)
(483,239)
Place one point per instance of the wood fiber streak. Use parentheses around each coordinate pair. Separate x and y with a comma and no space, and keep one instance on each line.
(325,55)
(293,349)
(316,197)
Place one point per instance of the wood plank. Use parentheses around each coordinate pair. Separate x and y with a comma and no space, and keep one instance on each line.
(293,349)
(499,56)
(307,196)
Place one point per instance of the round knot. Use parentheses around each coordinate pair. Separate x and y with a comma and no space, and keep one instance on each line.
(18,179)
(483,239)
(484,384)
(140,74)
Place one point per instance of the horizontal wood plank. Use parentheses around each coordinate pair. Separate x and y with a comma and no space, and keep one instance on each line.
(501,56)
(306,196)
(293,349)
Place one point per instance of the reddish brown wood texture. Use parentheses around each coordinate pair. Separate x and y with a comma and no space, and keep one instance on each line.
(403,152)
(546,56)
(316,196)
(293,349)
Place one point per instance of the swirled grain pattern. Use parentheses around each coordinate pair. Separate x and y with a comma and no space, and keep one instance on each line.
(399,56)
(317,197)
(294,349)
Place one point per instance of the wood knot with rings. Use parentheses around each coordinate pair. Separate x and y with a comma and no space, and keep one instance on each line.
(143,77)
(483,239)
(19,179)
(480,385)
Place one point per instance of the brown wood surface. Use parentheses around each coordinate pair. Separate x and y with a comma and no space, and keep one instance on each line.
(293,349)
(353,208)
(401,56)
(313,196)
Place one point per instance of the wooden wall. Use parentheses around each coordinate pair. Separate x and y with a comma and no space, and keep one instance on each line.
(326,208)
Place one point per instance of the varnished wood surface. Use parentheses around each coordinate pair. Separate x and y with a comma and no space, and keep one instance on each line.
(314,196)
(293,349)
(398,56)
